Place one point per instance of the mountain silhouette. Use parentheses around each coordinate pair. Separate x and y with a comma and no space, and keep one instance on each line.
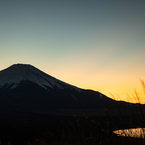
(25,88)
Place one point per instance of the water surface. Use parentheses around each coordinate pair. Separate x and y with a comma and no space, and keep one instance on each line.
(134,132)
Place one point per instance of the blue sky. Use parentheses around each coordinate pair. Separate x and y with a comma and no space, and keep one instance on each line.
(94,44)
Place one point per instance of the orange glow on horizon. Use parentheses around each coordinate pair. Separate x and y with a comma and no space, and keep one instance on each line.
(119,88)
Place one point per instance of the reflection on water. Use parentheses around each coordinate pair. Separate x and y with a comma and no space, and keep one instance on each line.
(137,132)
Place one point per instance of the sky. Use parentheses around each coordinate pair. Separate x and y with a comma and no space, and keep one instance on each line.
(92,44)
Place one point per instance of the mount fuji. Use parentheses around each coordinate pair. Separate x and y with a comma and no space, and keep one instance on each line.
(15,74)
(26,88)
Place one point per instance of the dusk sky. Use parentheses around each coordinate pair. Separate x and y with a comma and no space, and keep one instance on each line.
(92,44)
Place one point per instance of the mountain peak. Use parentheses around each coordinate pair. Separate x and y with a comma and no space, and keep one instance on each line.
(16,73)
(21,66)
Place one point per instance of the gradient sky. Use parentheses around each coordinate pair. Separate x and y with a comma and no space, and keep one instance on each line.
(92,44)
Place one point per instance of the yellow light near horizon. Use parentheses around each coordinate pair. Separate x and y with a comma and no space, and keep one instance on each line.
(127,93)
(116,86)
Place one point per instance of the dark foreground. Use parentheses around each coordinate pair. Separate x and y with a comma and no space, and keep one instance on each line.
(38,129)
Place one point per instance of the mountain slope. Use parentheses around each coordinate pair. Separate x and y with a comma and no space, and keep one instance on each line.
(13,75)
(26,88)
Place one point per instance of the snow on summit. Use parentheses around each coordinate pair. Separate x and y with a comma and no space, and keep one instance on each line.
(22,72)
